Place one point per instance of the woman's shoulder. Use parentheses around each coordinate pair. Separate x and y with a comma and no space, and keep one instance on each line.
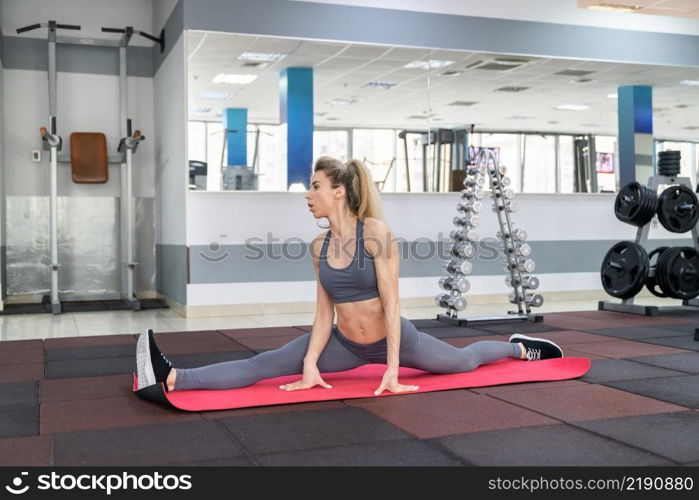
(375,227)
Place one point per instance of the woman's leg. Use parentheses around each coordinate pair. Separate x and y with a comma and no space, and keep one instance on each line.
(286,360)
(425,352)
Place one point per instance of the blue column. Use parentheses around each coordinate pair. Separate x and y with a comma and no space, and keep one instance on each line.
(235,120)
(636,148)
(296,111)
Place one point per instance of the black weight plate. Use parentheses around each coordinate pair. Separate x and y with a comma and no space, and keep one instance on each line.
(635,204)
(651,281)
(681,272)
(678,209)
(624,269)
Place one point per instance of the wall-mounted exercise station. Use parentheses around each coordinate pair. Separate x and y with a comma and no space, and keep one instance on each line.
(89,158)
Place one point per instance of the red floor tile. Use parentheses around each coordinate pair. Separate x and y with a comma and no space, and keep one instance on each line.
(26,451)
(71,389)
(571,352)
(570,337)
(103,413)
(21,373)
(18,357)
(92,340)
(621,348)
(21,345)
(585,402)
(195,336)
(576,321)
(442,413)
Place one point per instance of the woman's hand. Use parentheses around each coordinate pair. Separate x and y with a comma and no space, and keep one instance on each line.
(390,383)
(311,378)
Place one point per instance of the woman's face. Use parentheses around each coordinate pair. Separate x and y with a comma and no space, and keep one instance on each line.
(322,197)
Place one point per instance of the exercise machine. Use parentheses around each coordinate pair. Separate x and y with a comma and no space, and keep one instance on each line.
(89,159)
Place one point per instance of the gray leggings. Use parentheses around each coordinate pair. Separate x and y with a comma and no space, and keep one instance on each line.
(417,350)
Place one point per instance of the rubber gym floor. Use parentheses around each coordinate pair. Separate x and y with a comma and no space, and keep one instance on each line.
(69,402)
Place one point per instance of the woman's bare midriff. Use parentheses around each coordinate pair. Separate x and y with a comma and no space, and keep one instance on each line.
(363,321)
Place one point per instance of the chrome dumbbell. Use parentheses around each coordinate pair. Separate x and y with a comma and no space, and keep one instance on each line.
(533,299)
(451,283)
(458,266)
(517,234)
(512,206)
(464,250)
(469,194)
(501,169)
(445,300)
(474,170)
(473,206)
(466,220)
(526,266)
(471,182)
(529,282)
(502,182)
(525,250)
(464,234)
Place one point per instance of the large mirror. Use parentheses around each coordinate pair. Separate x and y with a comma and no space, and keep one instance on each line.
(417,116)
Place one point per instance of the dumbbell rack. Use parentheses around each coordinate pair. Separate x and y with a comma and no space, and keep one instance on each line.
(627,305)
(464,246)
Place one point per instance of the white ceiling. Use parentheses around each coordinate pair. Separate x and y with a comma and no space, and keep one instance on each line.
(341,70)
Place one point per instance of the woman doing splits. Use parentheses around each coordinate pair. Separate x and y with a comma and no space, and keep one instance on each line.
(356,264)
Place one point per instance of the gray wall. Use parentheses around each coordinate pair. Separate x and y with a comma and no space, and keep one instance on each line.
(3,284)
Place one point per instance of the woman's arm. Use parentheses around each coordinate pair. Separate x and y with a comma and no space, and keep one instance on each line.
(386,255)
(320,333)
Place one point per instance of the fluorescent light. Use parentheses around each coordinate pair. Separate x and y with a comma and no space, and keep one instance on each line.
(261,56)
(199,110)
(690,83)
(342,101)
(380,84)
(572,107)
(234,78)
(297,187)
(432,63)
(214,96)
(614,7)
(612,96)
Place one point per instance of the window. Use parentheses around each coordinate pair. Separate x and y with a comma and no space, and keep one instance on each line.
(330,143)
(539,170)
(377,149)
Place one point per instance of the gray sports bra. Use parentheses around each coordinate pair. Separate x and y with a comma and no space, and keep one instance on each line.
(355,282)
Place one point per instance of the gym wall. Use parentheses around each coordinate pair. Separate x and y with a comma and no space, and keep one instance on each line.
(3,285)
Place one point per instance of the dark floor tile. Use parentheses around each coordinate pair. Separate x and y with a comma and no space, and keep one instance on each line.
(641,332)
(216,344)
(682,391)
(260,410)
(607,370)
(265,343)
(303,328)
(92,340)
(195,360)
(448,332)
(26,451)
(21,373)
(684,342)
(510,327)
(449,412)
(549,445)
(218,462)
(684,361)
(19,419)
(71,389)
(401,452)
(90,352)
(263,434)
(145,445)
(429,323)
(106,413)
(21,392)
(586,402)
(672,435)
(621,348)
(243,333)
(90,367)
(20,356)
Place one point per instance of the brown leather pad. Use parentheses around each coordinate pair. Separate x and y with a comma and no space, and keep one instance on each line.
(88,158)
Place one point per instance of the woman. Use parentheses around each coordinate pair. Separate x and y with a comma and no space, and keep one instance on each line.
(356,265)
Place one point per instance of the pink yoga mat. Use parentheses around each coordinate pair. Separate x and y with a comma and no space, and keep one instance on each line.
(361,382)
